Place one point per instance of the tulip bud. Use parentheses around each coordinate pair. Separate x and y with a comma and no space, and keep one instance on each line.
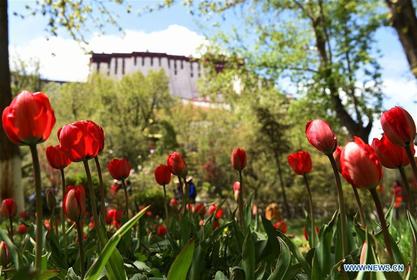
(200,209)
(390,155)
(321,136)
(119,168)
(360,165)
(8,208)
(236,190)
(212,209)
(362,258)
(336,156)
(161,230)
(22,229)
(219,213)
(74,203)
(176,164)
(398,126)
(238,159)
(4,254)
(300,162)
(173,202)
(281,226)
(50,199)
(162,175)
(56,157)
(24,215)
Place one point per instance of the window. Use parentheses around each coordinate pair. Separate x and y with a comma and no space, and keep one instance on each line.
(182,64)
(159,61)
(115,66)
(123,66)
(143,61)
(98,66)
(169,63)
(151,61)
(135,60)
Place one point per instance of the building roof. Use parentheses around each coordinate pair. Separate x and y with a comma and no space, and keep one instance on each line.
(106,57)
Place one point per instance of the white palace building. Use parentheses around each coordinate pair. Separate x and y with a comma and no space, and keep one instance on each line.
(182,71)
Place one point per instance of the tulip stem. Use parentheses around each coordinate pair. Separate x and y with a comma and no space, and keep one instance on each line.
(92,197)
(410,206)
(342,211)
(64,234)
(361,211)
(126,199)
(411,159)
(410,196)
(81,251)
(38,202)
(384,226)
(100,179)
(11,227)
(182,195)
(165,202)
(240,202)
(310,205)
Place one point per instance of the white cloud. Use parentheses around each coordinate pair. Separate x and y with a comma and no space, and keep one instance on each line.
(64,59)
(399,92)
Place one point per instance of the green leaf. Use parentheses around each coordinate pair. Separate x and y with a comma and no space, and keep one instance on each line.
(198,264)
(182,263)
(248,256)
(283,263)
(96,268)
(220,276)
(12,248)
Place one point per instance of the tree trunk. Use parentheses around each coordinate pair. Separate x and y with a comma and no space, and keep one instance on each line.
(281,181)
(355,128)
(10,165)
(404,21)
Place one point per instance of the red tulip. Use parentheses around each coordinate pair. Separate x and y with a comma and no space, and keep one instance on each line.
(306,233)
(321,136)
(216,224)
(47,224)
(200,209)
(173,202)
(4,254)
(8,208)
(57,158)
(29,118)
(390,155)
(119,168)
(22,229)
(24,215)
(281,226)
(113,215)
(162,174)
(161,230)
(300,162)
(219,213)
(398,126)
(336,156)
(74,203)
(81,140)
(176,164)
(238,159)
(360,165)
(115,188)
(212,209)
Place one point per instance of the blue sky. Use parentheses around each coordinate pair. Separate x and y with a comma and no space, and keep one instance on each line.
(173,31)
